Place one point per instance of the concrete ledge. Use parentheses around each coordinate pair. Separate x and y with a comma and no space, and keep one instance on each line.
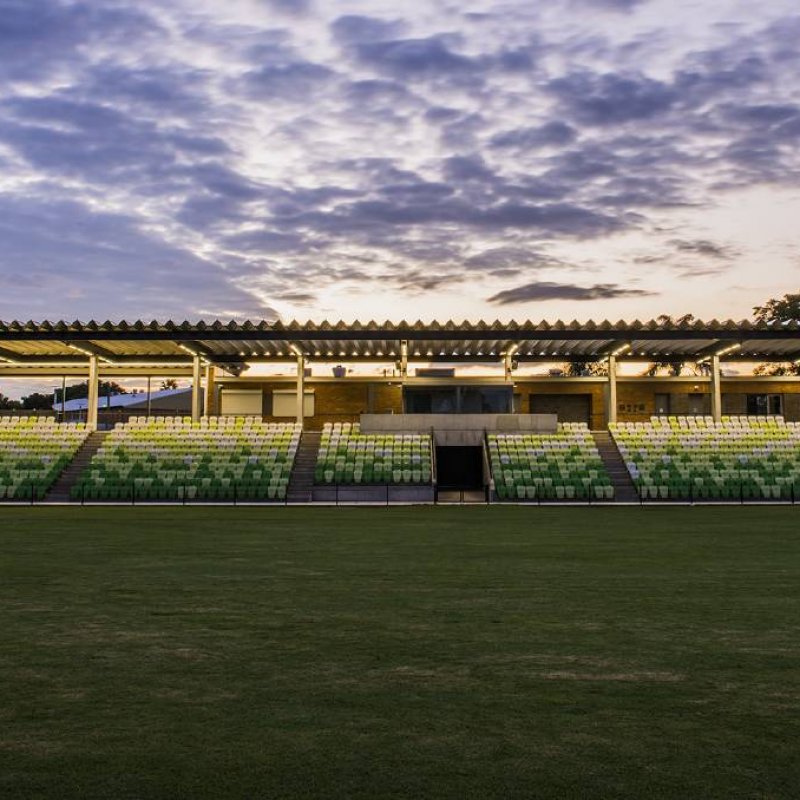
(373,494)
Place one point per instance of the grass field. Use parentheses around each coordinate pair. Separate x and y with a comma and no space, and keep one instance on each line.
(400,653)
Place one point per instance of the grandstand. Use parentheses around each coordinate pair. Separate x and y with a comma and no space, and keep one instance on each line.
(680,458)
(321,431)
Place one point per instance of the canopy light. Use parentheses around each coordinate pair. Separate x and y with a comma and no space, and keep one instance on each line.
(621,349)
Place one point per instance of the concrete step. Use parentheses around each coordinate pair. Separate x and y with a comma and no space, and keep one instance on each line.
(301,480)
(624,488)
(60,490)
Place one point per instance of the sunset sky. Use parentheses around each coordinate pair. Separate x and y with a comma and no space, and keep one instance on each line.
(361,159)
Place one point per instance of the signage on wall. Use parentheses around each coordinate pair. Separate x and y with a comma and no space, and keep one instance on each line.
(632,408)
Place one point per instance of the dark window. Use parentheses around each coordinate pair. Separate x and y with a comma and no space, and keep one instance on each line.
(662,405)
(762,404)
(458,400)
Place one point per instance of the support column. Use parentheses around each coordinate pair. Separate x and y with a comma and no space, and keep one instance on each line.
(716,390)
(301,389)
(91,407)
(508,361)
(611,391)
(210,405)
(404,359)
(196,388)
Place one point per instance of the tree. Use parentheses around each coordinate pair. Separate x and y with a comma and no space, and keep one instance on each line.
(7,404)
(169,383)
(578,369)
(785,309)
(673,366)
(36,401)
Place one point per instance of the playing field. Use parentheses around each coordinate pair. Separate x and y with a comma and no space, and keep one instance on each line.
(400,653)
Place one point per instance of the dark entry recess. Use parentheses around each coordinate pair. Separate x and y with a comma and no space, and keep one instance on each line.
(459,467)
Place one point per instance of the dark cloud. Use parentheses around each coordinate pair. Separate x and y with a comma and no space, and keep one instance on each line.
(510,258)
(100,143)
(294,82)
(548,135)
(39,36)
(411,58)
(704,247)
(86,257)
(544,290)
(611,99)
(353,28)
(294,7)
(467,168)
(611,5)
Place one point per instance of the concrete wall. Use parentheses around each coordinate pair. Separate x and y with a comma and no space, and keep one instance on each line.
(423,423)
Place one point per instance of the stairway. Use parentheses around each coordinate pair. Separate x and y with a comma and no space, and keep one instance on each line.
(624,489)
(59,491)
(301,481)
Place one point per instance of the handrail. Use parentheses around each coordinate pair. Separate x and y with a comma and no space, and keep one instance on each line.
(434,476)
(487,462)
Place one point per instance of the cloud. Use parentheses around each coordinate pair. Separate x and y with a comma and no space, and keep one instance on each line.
(294,82)
(550,134)
(414,58)
(292,7)
(99,265)
(544,290)
(611,99)
(704,247)
(353,28)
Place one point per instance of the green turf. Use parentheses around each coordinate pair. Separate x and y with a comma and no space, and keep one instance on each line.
(400,653)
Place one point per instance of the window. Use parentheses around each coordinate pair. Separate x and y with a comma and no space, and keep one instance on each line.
(458,400)
(762,404)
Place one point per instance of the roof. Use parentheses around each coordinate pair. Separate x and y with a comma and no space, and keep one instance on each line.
(120,400)
(231,344)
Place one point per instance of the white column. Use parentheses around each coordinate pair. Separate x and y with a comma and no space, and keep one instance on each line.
(716,390)
(508,361)
(196,388)
(403,360)
(611,391)
(91,408)
(211,375)
(301,389)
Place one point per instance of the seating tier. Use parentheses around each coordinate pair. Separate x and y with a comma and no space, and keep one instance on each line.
(347,456)
(697,458)
(33,453)
(166,458)
(557,466)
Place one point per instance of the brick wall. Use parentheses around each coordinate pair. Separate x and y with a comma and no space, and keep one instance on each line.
(345,401)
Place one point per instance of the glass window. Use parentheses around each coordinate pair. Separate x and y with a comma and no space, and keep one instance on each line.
(761,404)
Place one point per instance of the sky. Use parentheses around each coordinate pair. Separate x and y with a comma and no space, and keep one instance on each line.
(366,159)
